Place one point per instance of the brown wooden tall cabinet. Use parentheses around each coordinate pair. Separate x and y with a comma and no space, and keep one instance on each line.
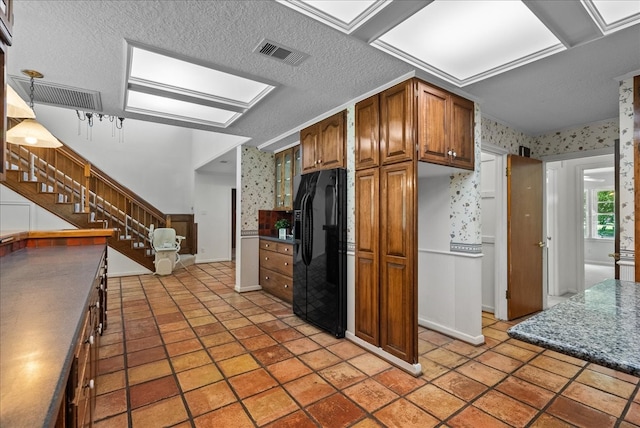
(386,286)
(6,26)
(409,122)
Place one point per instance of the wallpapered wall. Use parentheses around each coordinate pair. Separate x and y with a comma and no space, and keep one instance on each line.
(503,136)
(589,137)
(258,184)
(626,171)
(465,201)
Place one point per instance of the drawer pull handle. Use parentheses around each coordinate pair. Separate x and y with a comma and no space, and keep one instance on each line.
(90,384)
(286,286)
(266,258)
(266,277)
(98,305)
(286,249)
(90,340)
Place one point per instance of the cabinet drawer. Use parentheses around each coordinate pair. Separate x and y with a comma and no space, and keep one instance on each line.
(281,263)
(277,284)
(279,247)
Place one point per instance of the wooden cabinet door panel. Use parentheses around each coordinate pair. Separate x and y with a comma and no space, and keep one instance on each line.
(398,285)
(396,334)
(397,141)
(367,133)
(331,142)
(367,301)
(461,132)
(309,144)
(433,113)
(6,21)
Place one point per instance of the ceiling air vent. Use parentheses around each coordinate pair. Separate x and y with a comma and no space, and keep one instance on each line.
(58,95)
(280,52)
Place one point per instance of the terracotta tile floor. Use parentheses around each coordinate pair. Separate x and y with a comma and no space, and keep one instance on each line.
(186,350)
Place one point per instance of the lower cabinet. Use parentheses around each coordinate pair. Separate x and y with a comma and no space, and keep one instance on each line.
(276,269)
(386,283)
(78,406)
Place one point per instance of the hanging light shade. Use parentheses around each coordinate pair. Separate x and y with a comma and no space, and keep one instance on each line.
(30,133)
(16,107)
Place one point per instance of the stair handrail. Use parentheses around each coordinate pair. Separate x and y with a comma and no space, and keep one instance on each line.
(100,175)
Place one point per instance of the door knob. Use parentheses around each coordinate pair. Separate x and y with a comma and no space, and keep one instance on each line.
(541,244)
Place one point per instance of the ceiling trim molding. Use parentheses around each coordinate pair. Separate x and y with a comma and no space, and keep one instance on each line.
(264,146)
(332,21)
(391,50)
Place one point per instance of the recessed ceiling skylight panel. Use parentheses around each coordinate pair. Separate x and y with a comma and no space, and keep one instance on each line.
(466,41)
(613,15)
(168,87)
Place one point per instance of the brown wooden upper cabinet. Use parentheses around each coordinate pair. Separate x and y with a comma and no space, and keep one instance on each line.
(391,124)
(287,163)
(368,133)
(323,144)
(445,127)
(6,21)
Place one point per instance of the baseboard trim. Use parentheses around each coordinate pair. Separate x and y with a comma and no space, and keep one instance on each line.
(247,288)
(473,340)
(412,369)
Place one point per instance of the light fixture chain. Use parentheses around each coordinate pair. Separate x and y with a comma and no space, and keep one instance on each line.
(31,90)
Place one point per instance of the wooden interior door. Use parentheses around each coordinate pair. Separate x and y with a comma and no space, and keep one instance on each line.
(525,241)
(367,294)
(398,253)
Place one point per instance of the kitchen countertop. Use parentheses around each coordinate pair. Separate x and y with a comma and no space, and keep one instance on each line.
(276,239)
(43,297)
(600,325)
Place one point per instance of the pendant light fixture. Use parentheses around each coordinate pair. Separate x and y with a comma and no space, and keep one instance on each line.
(16,107)
(29,132)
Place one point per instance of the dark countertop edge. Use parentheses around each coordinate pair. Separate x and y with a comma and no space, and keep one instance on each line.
(276,239)
(572,351)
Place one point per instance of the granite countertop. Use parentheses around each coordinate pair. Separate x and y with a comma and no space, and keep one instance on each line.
(600,325)
(43,298)
(276,239)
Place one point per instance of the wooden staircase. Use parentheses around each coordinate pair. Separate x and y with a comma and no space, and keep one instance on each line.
(67,185)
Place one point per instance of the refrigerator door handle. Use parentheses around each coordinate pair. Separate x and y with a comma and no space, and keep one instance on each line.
(307,229)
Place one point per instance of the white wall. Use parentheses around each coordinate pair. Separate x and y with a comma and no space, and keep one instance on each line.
(212,208)
(153,161)
(448,298)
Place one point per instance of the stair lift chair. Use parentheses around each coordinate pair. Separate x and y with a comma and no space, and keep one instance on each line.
(166,245)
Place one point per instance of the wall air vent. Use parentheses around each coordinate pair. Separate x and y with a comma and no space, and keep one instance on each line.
(280,52)
(58,95)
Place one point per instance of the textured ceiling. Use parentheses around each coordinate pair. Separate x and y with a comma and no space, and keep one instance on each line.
(82,44)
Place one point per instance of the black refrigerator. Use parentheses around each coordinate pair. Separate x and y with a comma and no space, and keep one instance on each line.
(320,249)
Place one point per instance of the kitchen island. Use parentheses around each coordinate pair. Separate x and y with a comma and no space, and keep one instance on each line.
(52,301)
(600,325)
